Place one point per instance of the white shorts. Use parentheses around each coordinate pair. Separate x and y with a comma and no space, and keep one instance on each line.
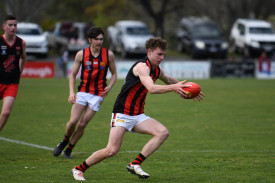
(126,121)
(85,99)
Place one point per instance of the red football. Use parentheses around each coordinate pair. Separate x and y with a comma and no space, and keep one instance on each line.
(193,90)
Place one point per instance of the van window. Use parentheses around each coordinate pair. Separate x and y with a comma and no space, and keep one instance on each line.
(241,29)
(28,31)
(261,30)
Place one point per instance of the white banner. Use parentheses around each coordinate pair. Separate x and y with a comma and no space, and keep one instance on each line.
(176,69)
(187,69)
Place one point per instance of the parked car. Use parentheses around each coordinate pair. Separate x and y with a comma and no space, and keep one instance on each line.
(69,35)
(251,36)
(201,38)
(128,37)
(35,38)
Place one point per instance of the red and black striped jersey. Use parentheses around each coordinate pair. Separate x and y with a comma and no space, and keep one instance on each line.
(9,60)
(131,98)
(94,71)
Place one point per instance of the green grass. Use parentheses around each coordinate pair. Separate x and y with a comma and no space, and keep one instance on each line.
(229,137)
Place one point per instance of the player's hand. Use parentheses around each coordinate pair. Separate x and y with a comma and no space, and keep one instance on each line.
(72,99)
(179,90)
(199,97)
(105,92)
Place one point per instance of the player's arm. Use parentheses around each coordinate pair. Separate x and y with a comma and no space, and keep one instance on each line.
(143,72)
(23,58)
(112,67)
(171,80)
(167,79)
(76,66)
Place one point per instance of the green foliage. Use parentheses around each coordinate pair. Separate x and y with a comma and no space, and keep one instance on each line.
(229,137)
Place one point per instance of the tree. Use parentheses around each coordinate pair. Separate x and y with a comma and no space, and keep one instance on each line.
(26,10)
(158,10)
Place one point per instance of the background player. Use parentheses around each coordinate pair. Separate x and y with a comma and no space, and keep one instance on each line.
(12,62)
(95,62)
(128,112)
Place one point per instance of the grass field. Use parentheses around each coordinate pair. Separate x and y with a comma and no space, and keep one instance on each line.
(229,137)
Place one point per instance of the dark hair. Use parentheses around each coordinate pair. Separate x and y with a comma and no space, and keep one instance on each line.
(156,42)
(9,17)
(93,32)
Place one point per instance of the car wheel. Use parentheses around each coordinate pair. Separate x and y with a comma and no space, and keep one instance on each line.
(111,46)
(180,47)
(124,53)
(246,51)
(233,46)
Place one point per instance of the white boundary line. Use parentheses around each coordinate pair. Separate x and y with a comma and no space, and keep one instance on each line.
(176,151)
(26,144)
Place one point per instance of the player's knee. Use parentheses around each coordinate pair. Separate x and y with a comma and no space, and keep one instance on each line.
(111,152)
(5,114)
(81,126)
(164,134)
(72,122)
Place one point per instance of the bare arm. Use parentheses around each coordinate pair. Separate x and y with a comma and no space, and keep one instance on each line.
(72,78)
(143,72)
(23,57)
(167,79)
(112,67)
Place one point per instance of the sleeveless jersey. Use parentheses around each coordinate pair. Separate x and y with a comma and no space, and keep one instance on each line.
(131,98)
(9,60)
(94,71)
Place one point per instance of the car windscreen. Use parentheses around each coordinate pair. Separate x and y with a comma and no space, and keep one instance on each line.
(28,31)
(261,30)
(137,31)
(205,31)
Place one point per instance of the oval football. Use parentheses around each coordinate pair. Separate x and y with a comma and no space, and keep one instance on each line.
(193,90)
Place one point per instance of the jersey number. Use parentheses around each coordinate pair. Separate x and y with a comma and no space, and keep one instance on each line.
(9,63)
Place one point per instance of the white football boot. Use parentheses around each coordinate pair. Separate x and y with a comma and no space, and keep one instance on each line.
(78,175)
(136,169)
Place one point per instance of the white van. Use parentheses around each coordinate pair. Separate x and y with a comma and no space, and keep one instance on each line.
(35,38)
(252,37)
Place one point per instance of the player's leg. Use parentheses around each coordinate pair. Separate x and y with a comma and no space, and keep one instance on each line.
(159,134)
(6,110)
(76,112)
(86,118)
(112,148)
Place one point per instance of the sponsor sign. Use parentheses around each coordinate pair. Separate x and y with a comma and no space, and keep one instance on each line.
(266,74)
(37,69)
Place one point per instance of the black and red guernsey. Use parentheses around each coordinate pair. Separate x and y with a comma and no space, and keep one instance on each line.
(94,71)
(9,60)
(131,98)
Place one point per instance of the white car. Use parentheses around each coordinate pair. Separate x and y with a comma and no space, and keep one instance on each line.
(36,40)
(128,37)
(252,37)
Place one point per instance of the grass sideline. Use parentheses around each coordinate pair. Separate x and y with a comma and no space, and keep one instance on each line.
(229,137)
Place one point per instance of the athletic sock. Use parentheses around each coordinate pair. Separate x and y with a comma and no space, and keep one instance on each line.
(82,167)
(71,146)
(140,158)
(66,139)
